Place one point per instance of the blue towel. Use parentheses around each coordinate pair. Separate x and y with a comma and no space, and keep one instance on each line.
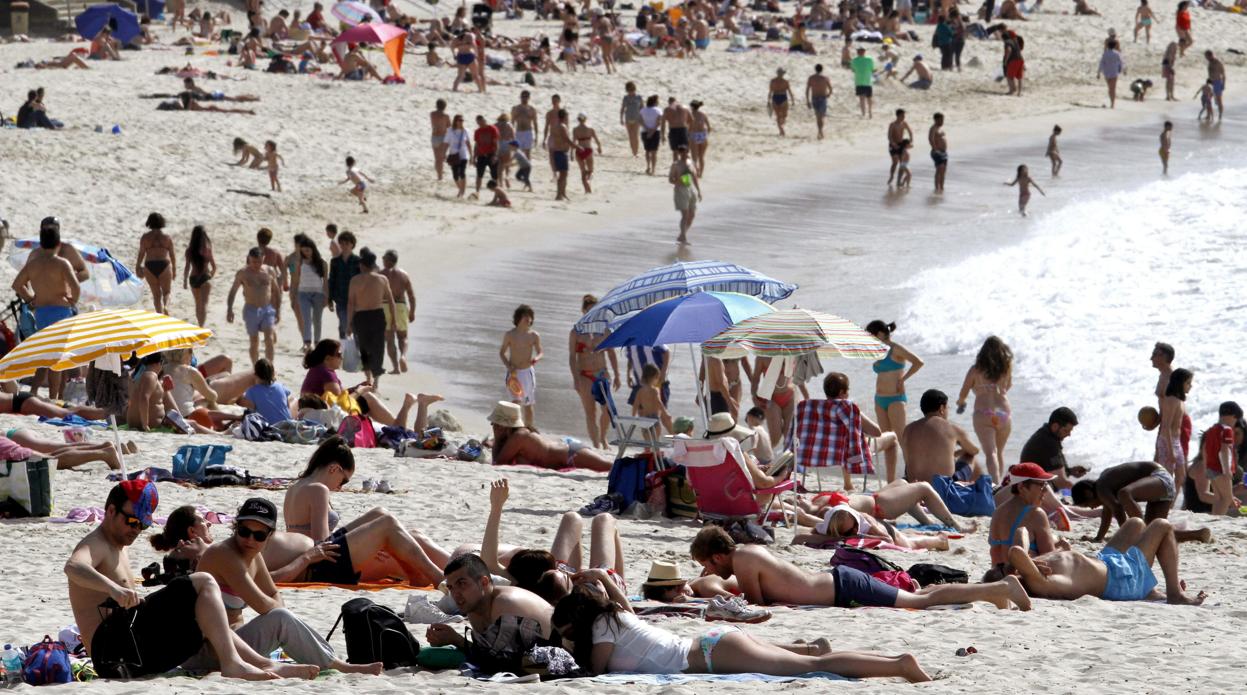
(72,420)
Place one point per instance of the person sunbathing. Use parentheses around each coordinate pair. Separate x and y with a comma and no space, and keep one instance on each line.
(356,67)
(372,406)
(104,46)
(1122,571)
(1027,484)
(607,637)
(151,406)
(70,60)
(186,101)
(764,578)
(193,396)
(67,454)
(513,443)
(188,84)
(375,544)
(892,502)
(843,522)
(26,403)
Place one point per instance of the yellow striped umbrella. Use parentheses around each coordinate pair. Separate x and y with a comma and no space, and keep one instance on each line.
(78,340)
(793,332)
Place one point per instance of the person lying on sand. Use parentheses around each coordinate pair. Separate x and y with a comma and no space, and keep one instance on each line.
(67,454)
(26,403)
(128,635)
(892,502)
(842,521)
(188,84)
(764,578)
(1119,491)
(69,60)
(186,101)
(1122,571)
(516,444)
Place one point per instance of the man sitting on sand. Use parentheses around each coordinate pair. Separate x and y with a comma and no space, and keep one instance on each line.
(1120,489)
(764,578)
(356,67)
(1122,571)
(128,636)
(931,444)
(514,443)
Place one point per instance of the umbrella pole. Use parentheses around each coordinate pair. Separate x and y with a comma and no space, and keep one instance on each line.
(121,452)
(700,400)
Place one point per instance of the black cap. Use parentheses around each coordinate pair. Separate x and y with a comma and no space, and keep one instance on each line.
(258,509)
(50,222)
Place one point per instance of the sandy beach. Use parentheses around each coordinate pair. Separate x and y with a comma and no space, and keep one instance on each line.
(102,186)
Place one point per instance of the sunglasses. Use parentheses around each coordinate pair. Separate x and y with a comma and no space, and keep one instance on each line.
(259,536)
(135,522)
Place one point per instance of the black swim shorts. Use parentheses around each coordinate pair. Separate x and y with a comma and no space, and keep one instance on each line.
(340,571)
(153,637)
(855,588)
(864,90)
(651,140)
(677,138)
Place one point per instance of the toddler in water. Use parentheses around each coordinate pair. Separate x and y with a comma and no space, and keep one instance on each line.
(1166,140)
(1054,152)
(248,153)
(1204,94)
(267,397)
(648,401)
(903,175)
(1024,182)
(500,199)
(271,158)
(358,177)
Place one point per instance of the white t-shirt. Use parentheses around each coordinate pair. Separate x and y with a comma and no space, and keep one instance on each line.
(641,648)
(650,115)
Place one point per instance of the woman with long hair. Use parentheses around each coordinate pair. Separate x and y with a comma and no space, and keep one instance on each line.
(198,271)
(990,378)
(890,378)
(311,282)
(1173,441)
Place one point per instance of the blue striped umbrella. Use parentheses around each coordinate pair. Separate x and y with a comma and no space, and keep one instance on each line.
(692,318)
(673,281)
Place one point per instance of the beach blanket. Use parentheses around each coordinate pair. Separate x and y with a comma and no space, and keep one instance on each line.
(94,515)
(72,420)
(686,678)
(863,543)
(379,585)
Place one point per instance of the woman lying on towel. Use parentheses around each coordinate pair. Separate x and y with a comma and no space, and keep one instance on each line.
(607,637)
(377,542)
(67,454)
(891,502)
(843,522)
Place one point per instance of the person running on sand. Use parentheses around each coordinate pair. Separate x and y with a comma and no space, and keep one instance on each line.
(368,301)
(360,181)
(685,182)
(271,159)
(817,92)
(1054,150)
(520,352)
(1143,19)
(560,144)
(1024,183)
(1166,142)
(261,302)
(149,635)
(584,138)
(248,154)
(766,579)
(1122,571)
(898,130)
(779,93)
(1120,490)
(515,443)
(156,262)
(440,122)
(990,377)
(630,116)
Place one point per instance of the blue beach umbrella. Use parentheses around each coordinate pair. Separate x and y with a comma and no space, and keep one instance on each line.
(691,318)
(123,22)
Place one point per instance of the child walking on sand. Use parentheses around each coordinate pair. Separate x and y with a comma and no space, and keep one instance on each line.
(1166,140)
(520,352)
(356,176)
(271,158)
(1024,182)
(1054,151)
(648,401)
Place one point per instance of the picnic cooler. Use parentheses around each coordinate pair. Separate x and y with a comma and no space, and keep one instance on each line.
(26,488)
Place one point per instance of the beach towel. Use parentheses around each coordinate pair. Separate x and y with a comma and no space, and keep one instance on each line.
(379,585)
(829,433)
(72,420)
(687,678)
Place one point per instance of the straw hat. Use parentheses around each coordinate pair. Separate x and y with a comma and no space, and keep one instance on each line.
(507,415)
(724,425)
(662,573)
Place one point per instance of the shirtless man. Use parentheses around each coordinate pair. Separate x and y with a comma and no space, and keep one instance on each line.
(1216,74)
(1120,489)
(675,121)
(898,130)
(150,635)
(261,295)
(930,445)
(520,352)
(49,283)
(355,67)
(404,310)
(551,120)
(778,94)
(369,301)
(1122,571)
(524,115)
(560,144)
(764,578)
(272,257)
(440,120)
(817,92)
(1162,361)
(156,262)
(517,444)
(939,151)
(504,619)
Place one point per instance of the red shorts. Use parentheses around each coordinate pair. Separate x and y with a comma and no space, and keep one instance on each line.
(1014,69)
(583,153)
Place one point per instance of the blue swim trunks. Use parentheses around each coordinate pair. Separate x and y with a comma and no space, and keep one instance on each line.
(259,318)
(855,588)
(1130,576)
(47,315)
(820,105)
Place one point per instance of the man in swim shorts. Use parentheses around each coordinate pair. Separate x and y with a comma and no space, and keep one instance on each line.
(560,152)
(676,118)
(404,310)
(48,283)
(1216,75)
(935,446)
(898,131)
(515,444)
(863,82)
(524,116)
(1122,571)
(129,636)
(1122,488)
(817,92)
(764,578)
(939,150)
(369,300)
(779,93)
(261,309)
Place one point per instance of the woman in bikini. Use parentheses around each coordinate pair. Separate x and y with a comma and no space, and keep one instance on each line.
(585,137)
(373,545)
(156,262)
(780,406)
(890,503)
(1143,18)
(842,521)
(890,378)
(604,29)
(1173,441)
(593,383)
(698,132)
(990,378)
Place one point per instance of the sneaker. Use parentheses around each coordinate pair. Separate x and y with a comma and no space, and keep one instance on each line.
(421,610)
(602,504)
(735,610)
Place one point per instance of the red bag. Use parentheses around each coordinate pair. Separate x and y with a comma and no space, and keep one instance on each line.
(897,578)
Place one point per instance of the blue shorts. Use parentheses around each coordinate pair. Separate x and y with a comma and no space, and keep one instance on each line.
(702,43)
(47,315)
(1130,575)
(561,162)
(820,105)
(855,588)
(601,388)
(1218,86)
(259,318)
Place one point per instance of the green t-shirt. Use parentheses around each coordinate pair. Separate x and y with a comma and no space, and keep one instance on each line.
(863,71)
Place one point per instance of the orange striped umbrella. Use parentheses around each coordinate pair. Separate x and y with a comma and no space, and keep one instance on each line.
(793,332)
(78,340)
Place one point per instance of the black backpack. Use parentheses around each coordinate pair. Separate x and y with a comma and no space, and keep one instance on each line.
(375,633)
(927,574)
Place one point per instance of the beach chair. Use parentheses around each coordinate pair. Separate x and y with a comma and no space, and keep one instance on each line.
(716,471)
(632,431)
(827,433)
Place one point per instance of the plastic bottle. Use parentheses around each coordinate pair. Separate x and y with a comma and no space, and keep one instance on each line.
(12,664)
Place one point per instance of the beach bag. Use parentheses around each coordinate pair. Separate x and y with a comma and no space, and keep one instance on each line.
(190,460)
(681,497)
(897,578)
(862,560)
(627,479)
(962,500)
(358,431)
(375,633)
(218,476)
(47,663)
(926,574)
(26,488)
(300,431)
(350,355)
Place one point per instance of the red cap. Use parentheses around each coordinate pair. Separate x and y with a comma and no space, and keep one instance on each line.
(1028,471)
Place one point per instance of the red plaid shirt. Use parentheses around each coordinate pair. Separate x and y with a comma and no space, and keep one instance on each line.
(829,433)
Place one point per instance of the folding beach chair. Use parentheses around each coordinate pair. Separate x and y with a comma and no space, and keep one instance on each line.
(630,431)
(827,433)
(716,471)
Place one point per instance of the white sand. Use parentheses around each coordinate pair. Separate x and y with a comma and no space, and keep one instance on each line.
(102,187)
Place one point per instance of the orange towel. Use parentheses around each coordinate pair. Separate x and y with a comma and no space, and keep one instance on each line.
(379,585)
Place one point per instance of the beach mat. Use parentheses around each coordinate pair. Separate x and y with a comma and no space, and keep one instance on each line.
(379,585)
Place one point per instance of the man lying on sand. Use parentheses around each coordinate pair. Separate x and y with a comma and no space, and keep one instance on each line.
(764,578)
(516,444)
(18,444)
(1122,571)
